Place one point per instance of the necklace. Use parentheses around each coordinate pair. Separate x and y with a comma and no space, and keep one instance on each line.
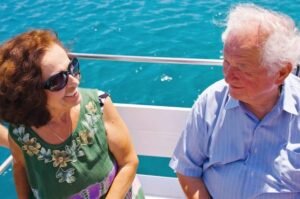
(69,131)
(57,136)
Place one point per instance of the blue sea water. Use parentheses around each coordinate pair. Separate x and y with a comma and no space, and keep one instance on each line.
(168,28)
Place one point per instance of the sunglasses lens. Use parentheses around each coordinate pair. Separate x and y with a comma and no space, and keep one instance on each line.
(57,82)
(60,80)
(74,68)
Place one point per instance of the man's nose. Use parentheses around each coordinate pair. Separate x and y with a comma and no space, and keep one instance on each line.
(231,72)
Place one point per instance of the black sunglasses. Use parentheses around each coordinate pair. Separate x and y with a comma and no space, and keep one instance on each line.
(60,80)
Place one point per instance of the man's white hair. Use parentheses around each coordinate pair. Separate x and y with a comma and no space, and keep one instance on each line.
(282,41)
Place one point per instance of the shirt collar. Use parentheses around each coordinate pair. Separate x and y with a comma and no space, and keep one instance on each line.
(289,98)
(231,103)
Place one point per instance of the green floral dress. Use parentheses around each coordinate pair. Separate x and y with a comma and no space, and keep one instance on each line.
(81,167)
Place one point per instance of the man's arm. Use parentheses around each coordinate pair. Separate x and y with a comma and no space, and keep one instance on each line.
(194,188)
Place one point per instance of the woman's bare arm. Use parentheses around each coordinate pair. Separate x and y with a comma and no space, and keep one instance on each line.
(122,148)
(20,177)
(4,136)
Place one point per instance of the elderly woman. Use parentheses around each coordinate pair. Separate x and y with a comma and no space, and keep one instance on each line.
(66,142)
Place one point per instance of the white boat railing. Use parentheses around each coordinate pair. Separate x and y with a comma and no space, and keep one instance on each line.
(5,164)
(162,60)
(147,59)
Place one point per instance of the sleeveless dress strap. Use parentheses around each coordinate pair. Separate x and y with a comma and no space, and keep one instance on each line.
(102,97)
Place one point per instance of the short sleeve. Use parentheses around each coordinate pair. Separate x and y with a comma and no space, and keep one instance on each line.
(190,152)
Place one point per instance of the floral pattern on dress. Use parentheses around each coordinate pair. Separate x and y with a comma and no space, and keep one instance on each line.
(31,146)
(60,159)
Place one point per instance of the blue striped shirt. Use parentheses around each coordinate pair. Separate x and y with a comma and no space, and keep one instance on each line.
(237,155)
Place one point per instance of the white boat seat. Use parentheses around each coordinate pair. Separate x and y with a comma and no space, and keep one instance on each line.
(155,131)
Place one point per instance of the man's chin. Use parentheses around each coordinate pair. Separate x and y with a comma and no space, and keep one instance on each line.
(236,94)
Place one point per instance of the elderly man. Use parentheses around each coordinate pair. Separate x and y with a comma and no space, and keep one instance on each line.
(242,139)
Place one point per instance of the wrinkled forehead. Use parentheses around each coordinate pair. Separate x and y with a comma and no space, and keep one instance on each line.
(243,48)
(247,40)
(243,40)
(251,34)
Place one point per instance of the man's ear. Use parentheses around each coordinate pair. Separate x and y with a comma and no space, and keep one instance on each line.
(283,73)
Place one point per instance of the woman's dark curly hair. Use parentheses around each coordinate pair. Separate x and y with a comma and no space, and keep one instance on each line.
(22,98)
